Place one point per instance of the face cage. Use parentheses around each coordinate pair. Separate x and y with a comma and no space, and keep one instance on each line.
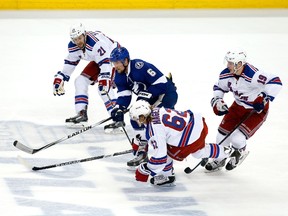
(137,120)
(235,67)
(84,34)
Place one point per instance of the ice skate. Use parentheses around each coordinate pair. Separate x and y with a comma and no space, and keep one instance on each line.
(237,157)
(215,165)
(141,154)
(134,163)
(114,128)
(163,181)
(80,120)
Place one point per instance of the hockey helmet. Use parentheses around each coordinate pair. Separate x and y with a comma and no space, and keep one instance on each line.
(139,108)
(235,56)
(76,30)
(119,54)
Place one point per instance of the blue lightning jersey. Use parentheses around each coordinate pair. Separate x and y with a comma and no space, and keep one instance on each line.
(144,77)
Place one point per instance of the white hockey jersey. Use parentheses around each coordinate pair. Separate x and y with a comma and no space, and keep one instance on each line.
(248,85)
(170,127)
(98,48)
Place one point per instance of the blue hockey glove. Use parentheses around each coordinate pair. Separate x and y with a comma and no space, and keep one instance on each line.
(117,114)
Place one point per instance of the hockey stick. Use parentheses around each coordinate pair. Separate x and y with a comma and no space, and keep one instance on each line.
(188,170)
(29,150)
(35,168)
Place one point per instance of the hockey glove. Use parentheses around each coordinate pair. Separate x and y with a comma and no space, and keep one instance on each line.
(58,84)
(118,115)
(142,173)
(139,145)
(219,106)
(135,146)
(260,102)
(104,86)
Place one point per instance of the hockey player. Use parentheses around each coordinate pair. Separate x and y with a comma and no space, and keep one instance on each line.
(96,48)
(172,135)
(148,83)
(253,89)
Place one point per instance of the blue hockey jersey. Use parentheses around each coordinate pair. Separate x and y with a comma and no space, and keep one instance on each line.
(144,77)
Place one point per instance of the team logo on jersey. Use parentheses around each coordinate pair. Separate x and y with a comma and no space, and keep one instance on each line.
(139,65)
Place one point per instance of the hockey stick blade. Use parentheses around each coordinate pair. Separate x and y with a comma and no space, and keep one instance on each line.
(24,162)
(29,150)
(22,147)
(35,168)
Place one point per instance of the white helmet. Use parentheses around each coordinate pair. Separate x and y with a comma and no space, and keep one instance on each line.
(76,30)
(236,56)
(139,108)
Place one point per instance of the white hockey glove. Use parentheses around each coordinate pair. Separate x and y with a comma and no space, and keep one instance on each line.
(104,86)
(142,173)
(58,84)
(219,106)
(104,83)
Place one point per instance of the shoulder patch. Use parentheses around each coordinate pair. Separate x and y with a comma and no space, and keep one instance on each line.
(72,47)
(139,65)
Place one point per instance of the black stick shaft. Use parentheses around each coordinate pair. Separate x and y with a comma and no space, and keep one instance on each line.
(81,160)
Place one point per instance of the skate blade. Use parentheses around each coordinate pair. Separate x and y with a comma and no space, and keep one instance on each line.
(243,158)
(77,125)
(114,131)
(213,171)
(168,185)
(132,168)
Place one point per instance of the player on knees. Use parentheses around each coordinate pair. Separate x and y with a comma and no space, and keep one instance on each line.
(94,47)
(253,89)
(149,84)
(171,135)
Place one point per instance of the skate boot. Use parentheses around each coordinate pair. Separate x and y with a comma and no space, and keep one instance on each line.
(134,163)
(114,128)
(215,165)
(204,161)
(141,152)
(237,157)
(163,181)
(80,120)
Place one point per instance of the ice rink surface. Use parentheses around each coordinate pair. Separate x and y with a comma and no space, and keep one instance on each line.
(191,45)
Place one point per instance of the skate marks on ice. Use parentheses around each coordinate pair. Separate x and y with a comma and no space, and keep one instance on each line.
(38,135)
(52,197)
(102,187)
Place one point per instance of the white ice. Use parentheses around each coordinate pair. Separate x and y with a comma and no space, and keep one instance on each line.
(190,44)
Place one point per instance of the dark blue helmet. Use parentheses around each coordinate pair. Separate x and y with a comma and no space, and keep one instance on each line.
(119,54)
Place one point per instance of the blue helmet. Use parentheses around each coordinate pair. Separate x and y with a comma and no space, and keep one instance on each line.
(119,54)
